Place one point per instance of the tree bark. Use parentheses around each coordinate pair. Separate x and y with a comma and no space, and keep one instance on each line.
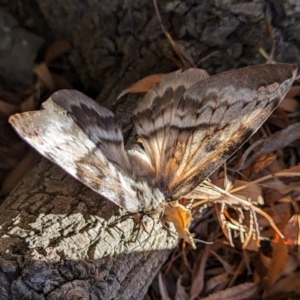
(118,42)
(58,238)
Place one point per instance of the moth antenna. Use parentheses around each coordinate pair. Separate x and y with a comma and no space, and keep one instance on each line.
(183,237)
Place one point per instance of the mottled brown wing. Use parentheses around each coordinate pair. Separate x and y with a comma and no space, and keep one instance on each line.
(55,134)
(156,112)
(208,122)
(96,121)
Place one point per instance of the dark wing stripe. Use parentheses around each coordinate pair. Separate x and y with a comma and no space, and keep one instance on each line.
(96,121)
(189,135)
(162,101)
(251,95)
(56,136)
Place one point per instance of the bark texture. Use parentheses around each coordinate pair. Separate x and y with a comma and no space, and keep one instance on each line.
(118,42)
(59,240)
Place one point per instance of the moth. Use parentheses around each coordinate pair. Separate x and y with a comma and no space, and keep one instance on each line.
(189,124)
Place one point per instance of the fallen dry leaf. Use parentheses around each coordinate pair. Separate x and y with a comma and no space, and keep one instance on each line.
(7,109)
(289,104)
(45,76)
(294,91)
(262,161)
(181,217)
(162,288)
(28,104)
(251,192)
(180,291)
(23,167)
(243,291)
(61,82)
(198,273)
(291,266)
(143,85)
(57,49)
(285,285)
(215,282)
(277,141)
(292,231)
(278,260)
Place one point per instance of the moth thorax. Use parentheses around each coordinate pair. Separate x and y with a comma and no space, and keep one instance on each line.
(150,198)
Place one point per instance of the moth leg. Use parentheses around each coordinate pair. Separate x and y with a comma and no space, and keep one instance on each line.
(138,225)
(141,225)
(126,216)
(138,222)
(136,229)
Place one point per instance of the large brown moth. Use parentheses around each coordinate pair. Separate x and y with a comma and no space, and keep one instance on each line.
(189,124)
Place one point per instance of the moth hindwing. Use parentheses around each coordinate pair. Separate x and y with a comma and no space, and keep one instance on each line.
(189,124)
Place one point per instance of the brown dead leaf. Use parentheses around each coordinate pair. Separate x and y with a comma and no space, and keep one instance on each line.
(294,91)
(263,161)
(7,109)
(217,282)
(28,104)
(9,97)
(251,192)
(289,104)
(279,118)
(181,218)
(266,260)
(24,166)
(198,272)
(180,291)
(225,229)
(283,186)
(57,49)
(162,288)
(292,231)
(291,266)
(256,277)
(293,169)
(277,141)
(279,260)
(227,267)
(45,76)
(285,285)
(243,291)
(143,85)
(285,180)
(61,82)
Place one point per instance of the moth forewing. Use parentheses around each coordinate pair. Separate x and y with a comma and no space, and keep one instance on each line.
(56,135)
(208,123)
